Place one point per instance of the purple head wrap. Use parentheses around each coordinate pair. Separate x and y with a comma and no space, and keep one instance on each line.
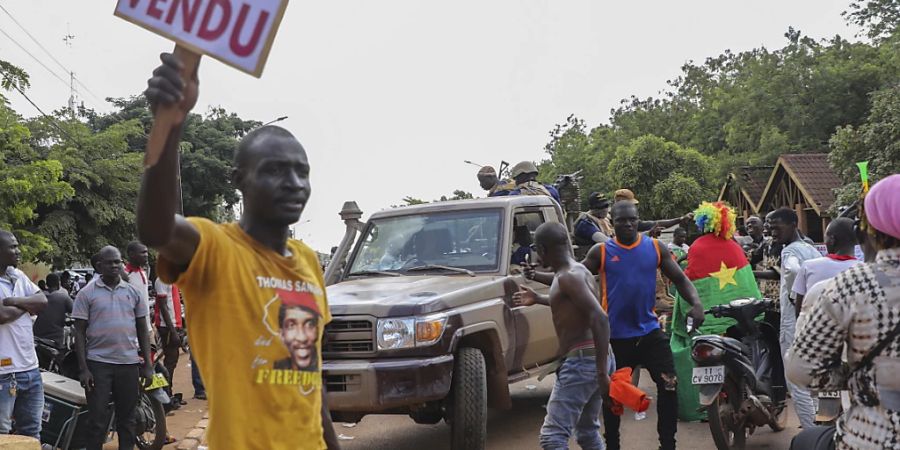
(883,206)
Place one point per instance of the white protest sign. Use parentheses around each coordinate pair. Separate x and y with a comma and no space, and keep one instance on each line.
(236,32)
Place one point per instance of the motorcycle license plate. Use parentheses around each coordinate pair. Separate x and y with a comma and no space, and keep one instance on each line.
(830,394)
(708,375)
(159,381)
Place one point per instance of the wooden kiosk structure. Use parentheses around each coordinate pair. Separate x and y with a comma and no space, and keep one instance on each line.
(806,183)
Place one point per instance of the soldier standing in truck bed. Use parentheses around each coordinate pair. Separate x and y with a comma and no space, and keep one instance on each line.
(593,226)
(495,187)
(525,174)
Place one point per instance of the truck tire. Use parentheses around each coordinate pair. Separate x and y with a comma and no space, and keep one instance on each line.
(468,424)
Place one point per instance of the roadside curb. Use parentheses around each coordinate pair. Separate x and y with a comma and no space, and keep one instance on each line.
(195,438)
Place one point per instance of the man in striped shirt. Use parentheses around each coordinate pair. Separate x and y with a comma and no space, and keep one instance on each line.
(110,329)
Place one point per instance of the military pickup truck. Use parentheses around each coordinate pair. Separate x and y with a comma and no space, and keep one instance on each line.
(423,321)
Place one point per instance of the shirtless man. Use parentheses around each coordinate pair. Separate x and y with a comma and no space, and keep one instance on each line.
(627,265)
(583,329)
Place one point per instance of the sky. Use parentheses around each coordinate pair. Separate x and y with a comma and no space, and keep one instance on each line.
(389,98)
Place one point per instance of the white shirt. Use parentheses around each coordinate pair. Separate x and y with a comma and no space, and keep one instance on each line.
(17,338)
(812,294)
(792,258)
(819,269)
(141,282)
(164,293)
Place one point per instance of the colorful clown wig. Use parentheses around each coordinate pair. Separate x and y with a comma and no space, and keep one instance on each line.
(716,218)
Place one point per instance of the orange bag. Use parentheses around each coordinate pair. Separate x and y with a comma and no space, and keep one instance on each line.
(623,393)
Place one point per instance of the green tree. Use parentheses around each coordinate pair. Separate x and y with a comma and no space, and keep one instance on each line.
(669,180)
(876,141)
(410,201)
(27,181)
(70,180)
(879,18)
(102,155)
(13,77)
(207,151)
(458,194)
(573,148)
(104,174)
(747,108)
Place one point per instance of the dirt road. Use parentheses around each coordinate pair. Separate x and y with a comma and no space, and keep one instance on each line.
(518,429)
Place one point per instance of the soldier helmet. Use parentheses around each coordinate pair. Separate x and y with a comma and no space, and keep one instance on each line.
(523,168)
(487,171)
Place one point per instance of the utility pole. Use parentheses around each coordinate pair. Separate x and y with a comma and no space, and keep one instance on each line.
(72,93)
(68,38)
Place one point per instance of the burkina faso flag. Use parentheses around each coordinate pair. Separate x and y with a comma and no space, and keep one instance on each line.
(720,273)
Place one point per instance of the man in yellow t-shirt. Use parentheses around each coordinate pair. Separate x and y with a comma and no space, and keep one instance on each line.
(255,299)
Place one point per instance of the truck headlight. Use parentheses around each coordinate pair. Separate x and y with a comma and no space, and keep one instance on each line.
(396,333)
(409,332)
(429,330)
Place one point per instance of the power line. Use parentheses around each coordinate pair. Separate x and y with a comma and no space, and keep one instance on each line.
(64,82)
(33,39)
(64,68)
(78,82)
(51,119)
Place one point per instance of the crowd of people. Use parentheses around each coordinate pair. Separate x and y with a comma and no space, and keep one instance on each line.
(106,321)
(264,373)
(774,259)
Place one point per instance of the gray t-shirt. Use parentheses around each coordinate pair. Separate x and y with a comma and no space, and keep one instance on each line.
(111,313)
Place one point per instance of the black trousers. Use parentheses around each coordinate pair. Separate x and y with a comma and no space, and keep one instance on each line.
(815,438)
(171,351)
(652,352)
(118,383)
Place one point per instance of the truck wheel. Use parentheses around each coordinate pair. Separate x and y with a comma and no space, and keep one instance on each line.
(468,424)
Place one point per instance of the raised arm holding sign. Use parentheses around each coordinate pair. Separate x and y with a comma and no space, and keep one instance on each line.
(237,32)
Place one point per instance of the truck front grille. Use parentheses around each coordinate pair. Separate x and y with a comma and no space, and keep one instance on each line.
(342,383)
(349,336)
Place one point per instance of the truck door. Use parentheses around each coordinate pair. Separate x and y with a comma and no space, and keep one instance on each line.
(536,341)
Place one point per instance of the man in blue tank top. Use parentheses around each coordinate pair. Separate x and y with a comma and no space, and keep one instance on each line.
(627,267)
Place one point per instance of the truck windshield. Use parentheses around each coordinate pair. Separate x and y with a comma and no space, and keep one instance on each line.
(462,239)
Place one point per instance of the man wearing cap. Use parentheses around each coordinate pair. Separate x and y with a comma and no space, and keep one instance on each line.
(593,226)
(525,174)
(487,178)
(647,225)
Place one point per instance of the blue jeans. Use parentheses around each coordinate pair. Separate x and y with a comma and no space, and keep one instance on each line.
(25,406)
(575,405)
(805,404)
(195,378)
